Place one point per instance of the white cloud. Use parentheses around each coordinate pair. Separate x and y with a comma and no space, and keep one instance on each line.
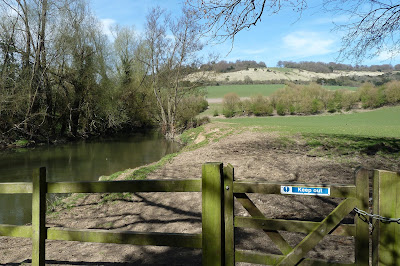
(255,51)
(384,56)
(387,56)
(333,20)
(304,44)
(106,24)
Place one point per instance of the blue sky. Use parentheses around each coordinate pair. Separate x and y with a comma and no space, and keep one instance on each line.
(284,36)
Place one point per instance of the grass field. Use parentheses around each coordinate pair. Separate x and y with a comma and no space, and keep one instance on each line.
(211,109)
(383,123)
(249,90)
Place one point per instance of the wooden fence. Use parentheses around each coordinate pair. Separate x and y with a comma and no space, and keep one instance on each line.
(39,232)
(217,240)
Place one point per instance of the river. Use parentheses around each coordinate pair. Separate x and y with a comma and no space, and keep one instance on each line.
(78,161)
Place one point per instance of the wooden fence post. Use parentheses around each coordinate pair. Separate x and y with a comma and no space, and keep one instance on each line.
(229,216)
(38,216)
(212,215)
(362,227)
(386,203)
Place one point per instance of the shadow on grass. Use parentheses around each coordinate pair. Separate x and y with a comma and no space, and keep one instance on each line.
(349,144)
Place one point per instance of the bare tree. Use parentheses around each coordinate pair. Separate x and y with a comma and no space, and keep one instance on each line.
(372,27)
(167,60)
(224,19)
(31,18)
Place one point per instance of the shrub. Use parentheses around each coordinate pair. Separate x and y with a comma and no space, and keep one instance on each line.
(392,91)
(259,105)
(280,108)
(371,96)
(304,99)
(246,106)
(316,106)
(202,104)
(188,108)
(284,100)
(335,101)
(292,109)
(349,99)
(229,104)
(247,80)
(216,112)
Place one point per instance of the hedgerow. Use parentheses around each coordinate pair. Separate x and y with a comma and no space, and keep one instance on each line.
(296,99)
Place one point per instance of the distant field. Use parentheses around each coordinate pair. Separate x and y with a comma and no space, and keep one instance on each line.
(384,122)
(242,90)
(249,90)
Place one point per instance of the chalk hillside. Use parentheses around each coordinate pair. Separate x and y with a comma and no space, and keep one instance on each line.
(271,74)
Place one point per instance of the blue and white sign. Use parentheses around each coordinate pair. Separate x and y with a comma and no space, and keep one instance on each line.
(308,191)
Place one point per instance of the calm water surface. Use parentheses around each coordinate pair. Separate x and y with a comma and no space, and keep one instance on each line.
(82,161)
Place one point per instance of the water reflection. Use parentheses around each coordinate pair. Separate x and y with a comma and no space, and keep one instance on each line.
(75,162)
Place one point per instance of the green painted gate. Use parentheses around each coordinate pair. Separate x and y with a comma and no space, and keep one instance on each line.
(386,231)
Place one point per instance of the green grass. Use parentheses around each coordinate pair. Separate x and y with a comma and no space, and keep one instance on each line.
(243,90)
(111,177)
(346,145)
(143,172)
(212,107)
(384,122)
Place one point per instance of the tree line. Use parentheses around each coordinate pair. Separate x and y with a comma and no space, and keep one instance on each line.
(224,66)
(61,77)
(321,67)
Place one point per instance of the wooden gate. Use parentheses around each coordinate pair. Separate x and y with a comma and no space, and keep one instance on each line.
(356,195)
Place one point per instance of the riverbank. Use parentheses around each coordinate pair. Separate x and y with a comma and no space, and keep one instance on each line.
(21,143)
(255,153)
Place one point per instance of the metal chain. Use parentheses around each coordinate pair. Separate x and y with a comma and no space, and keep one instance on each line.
(376,217)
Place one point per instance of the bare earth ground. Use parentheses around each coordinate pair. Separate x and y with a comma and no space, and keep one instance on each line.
(258,156)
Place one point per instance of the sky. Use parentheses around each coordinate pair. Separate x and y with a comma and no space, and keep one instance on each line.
(284,36)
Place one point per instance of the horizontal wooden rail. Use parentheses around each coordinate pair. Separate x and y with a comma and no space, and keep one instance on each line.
(265,187)
(15,230)
(169,185)
(273,259)
(108,236)
(289,225)
(125,237)
(16,188)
